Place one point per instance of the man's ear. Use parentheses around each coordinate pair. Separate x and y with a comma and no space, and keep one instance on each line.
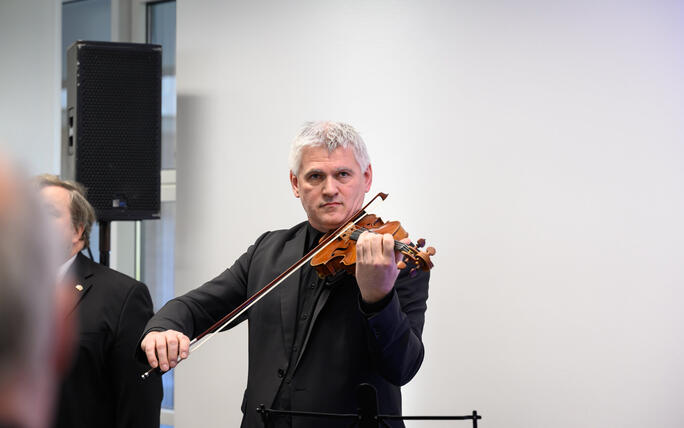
(79,232)
(368,177)
(294,181)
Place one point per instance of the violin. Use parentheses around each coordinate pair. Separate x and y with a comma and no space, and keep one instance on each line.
(336,252)
(340,254)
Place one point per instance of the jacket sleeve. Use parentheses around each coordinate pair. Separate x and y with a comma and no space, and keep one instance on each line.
(199,309)
(395,331)
(137,403)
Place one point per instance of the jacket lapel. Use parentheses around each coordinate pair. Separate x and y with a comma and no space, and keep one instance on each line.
(83,278)
(328,285)
(289,289)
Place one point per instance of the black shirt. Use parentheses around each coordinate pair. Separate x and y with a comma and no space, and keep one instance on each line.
(310,286)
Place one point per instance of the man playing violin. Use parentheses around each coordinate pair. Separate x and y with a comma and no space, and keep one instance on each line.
(314,340)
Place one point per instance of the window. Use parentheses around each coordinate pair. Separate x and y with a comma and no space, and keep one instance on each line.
(153,240)
(158,236)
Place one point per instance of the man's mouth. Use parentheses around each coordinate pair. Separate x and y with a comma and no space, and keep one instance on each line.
(331,204)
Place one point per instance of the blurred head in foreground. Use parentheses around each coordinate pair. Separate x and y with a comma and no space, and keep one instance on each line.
(35,337)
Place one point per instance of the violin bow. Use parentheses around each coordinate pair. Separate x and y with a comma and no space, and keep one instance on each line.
(219,325)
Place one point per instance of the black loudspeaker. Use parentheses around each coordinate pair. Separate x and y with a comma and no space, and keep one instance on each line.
(113,140)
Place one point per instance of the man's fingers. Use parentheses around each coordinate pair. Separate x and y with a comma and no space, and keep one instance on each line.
(172,349)
(184,345)
(163,349)
(376,249)
(362,247)
(369,248)
(148,346)
(160,346)
(388,247)
(399,254)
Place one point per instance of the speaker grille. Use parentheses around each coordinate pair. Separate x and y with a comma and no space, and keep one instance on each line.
(118,128)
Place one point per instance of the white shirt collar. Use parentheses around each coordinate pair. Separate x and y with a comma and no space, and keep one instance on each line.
(65,267)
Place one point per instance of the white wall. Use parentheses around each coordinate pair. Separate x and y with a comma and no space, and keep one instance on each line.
(536,145)
(30,36)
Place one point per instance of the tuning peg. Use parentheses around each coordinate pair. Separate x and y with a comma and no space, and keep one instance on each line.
(431,251)
(420,243)
(401,265)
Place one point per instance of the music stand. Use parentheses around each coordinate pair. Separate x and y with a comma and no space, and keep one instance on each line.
(367,416)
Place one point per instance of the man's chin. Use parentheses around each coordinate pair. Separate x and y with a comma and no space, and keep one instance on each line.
(332,222)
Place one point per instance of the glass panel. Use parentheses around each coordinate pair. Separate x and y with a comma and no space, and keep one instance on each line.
(95,242)
(168,122)
(161,30)
(158,237)
(91,20)
(84,20)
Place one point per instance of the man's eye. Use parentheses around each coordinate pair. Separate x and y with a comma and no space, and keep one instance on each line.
(315,177)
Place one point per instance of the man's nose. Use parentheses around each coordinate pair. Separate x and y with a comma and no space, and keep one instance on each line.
(329,187)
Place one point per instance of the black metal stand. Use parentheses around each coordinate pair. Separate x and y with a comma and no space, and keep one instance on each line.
(105,244)
(367,416)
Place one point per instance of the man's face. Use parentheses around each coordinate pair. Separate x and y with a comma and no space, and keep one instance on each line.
(57,201)
(330,185)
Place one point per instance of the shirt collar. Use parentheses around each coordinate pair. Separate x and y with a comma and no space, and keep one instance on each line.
(312,236)
(65,267)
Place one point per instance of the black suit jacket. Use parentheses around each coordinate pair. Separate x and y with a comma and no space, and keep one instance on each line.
(103,388)
(343,348)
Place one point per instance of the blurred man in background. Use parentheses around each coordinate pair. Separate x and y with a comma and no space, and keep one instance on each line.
(103,388)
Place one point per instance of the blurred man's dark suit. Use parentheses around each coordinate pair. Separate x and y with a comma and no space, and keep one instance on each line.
(103,388)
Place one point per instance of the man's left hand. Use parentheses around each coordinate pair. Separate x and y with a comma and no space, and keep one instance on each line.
(376,265)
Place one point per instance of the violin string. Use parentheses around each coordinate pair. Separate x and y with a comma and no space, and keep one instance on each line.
(398,245)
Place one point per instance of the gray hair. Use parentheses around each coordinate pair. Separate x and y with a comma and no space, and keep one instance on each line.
(82,213)
(330,135)
(28,266)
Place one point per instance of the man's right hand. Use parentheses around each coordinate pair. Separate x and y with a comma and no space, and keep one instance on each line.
(163,348)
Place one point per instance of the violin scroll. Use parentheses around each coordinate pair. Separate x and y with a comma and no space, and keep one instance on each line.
(419,260)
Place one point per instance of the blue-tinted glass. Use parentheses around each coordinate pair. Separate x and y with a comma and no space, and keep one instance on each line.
(158,238)
(84,20)
(169,122)
(95,242)
(161,30)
